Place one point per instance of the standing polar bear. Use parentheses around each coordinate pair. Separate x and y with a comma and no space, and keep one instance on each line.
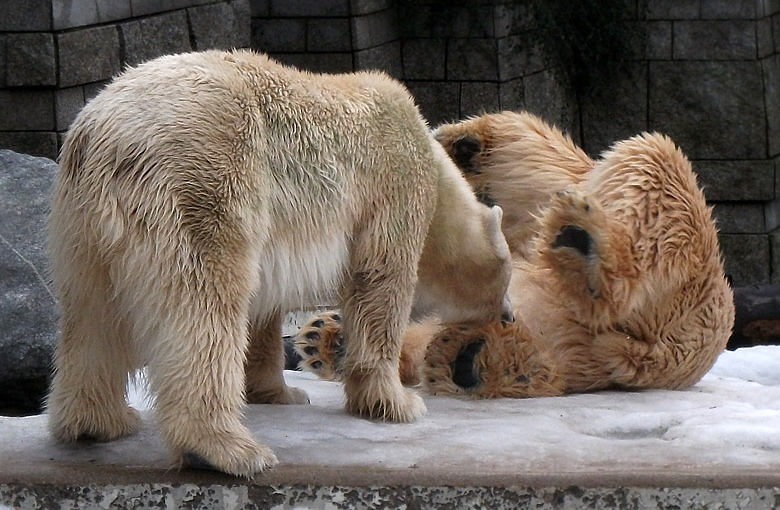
(617,282)
(200,196)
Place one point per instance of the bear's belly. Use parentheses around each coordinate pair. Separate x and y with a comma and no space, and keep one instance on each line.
(299,275)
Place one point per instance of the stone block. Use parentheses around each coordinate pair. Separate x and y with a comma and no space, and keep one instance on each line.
(771,70)
(438,100)
(546,95)
(309,8)
(146,7)
(3,58)
(386,58)
(242,23)
(746,258)
(148,38)
(472,59)
(93,89)
(328,34)
(512,18)
(25,16)
(735,181)
(714,40)
(519,56)
(728,9)
(374,29)
(462,20)
(672,9)
(767,7)
(87,55)
(212,26)
(360,7)
(318,62)
(776,31)
(740,217)
(659,40)
(511,94)
(764,39)
(27,110)
(774,250)
(260,8)
(713,110)
(417,20)
(35,143)
(283,35)
(30,60)
(424,59)
(478,97)
(67,104)
(28,329)
(71,14)
(615,111)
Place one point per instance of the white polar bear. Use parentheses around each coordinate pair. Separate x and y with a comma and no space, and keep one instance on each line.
(200,196)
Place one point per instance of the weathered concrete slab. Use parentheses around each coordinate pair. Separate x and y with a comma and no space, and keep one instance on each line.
(713,446)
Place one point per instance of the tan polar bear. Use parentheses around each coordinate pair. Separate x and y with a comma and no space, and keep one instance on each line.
(200,196)
(618,280)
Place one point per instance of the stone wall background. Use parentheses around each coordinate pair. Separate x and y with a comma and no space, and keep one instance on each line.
(706,72)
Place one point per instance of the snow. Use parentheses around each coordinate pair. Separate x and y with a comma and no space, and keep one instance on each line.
(730,418)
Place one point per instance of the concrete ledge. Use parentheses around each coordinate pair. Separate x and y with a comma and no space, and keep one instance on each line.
(653,449)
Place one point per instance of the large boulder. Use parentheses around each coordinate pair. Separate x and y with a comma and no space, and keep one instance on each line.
(28,308)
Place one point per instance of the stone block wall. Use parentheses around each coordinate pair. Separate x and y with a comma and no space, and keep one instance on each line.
(706,72)
(57,54)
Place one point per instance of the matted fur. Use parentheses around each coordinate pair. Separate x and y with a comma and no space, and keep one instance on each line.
(639,301)
(202,195)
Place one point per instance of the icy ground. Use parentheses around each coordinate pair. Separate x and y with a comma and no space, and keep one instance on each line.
(730,418)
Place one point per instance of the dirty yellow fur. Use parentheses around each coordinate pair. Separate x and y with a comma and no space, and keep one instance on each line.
(646,305)
(200,196)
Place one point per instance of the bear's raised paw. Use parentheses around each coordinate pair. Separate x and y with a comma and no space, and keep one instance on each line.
(321,346)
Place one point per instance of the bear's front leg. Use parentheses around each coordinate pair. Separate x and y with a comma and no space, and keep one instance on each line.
(591,258)
(265,365)
(373,319)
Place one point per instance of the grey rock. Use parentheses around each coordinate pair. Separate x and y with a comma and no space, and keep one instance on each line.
(438,100)
(25,15)
(212,26)
(37,143)
(672,9)
(730,9)
(771,69)
(740,217)
(424,59)
(28,328)
(309,8)
(287,35)
(26,109)
(374,29)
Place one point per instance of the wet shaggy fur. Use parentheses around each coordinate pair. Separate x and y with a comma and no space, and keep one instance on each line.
(618,280)
(201,196)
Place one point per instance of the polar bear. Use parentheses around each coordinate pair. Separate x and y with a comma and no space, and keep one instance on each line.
(200,196)
(618,280)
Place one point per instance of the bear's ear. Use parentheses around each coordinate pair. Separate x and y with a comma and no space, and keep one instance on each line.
(464,151)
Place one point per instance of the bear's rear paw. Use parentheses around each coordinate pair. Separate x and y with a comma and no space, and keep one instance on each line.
(321,346)
(382,397)
(288,395)
(496,360)
(97,425)
(238,456)
(571,236)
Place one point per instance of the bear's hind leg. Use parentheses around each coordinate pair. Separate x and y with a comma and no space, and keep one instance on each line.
(92,362)
(591,257)
(265,363)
